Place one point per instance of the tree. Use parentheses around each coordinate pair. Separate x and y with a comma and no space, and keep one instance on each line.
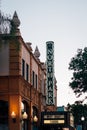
(78,110)
(79,66)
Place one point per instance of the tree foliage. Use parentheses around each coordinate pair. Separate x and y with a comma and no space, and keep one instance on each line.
(79,66)
(78,110)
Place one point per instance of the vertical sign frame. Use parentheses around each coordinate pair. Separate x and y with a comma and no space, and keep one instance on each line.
(50,73)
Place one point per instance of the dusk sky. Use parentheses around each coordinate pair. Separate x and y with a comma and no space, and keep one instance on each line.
(61,21)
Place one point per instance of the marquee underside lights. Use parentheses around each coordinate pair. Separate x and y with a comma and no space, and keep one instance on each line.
(54,121)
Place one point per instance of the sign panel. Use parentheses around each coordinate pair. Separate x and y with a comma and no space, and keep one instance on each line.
(56,118)
(50,73)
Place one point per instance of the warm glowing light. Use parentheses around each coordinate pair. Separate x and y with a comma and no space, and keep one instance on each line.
(24,116)
(13,115)
(35,119)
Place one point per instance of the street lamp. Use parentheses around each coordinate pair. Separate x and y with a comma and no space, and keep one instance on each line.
(13,116)
(82,119)
(24,116)
(35,119)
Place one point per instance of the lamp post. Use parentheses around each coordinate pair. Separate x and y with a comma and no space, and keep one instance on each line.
(82,120)
(35,123)
(13,116)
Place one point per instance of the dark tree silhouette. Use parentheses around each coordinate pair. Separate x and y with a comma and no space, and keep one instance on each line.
(79,66)
(78,110)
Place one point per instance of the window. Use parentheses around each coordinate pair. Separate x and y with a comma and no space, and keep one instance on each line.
(3,115)
(27,72)
(36,81)
(33,78)
(25,108)
(23,68)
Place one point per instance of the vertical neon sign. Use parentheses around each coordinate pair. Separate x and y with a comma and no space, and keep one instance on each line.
(50,73)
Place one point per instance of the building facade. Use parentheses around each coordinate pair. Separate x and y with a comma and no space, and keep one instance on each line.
(22,82)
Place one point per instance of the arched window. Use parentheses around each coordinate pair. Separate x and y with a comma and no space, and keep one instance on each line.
(25,108)
(35,111)
(35,118)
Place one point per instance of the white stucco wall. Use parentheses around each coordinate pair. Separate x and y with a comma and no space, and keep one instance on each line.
(35,66)
(4,59)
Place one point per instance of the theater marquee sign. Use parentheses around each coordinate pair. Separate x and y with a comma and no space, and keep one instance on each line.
(50,73)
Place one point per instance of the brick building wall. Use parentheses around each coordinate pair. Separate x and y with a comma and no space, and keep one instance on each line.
(22,83)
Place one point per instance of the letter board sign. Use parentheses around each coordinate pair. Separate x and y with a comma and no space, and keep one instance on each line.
(50,73)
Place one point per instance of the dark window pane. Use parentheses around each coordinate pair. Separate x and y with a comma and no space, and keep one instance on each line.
(23,68)
(3,112)
(27,72)
(33,78)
